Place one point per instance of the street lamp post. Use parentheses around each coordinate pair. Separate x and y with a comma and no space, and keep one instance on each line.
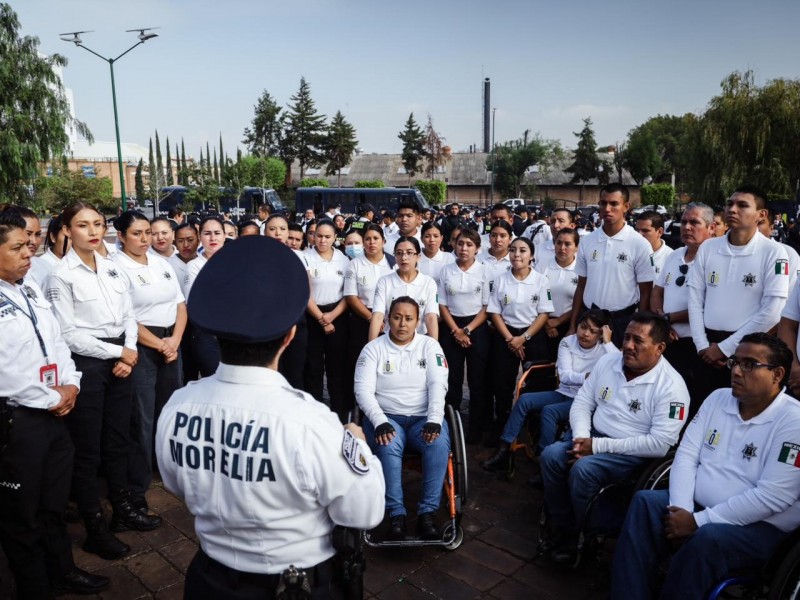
(143,37)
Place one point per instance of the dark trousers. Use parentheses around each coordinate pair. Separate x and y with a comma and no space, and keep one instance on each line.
(205,352)
(326,356)
(188,364)
(36,469)
(358,336)
(619,322)
(553,342)
(476,357)
(154,381)
(505,367)
(683,357)
(100,429)
(293,359)
(713,378)
(207,579)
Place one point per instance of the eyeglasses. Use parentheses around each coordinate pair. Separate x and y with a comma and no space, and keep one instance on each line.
(747,365)
(684,269)
(401,254)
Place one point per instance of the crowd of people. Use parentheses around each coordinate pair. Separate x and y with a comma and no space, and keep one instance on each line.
(394,305)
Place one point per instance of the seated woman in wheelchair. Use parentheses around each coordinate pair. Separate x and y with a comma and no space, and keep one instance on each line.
(577,355)
(400,385)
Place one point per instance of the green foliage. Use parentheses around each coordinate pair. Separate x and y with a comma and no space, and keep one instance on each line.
(305,128)
(264,136)
(258,171)
(433,143)
(586,165)
(183,173)
(66,187)
(170,179)
(511,160)
(141,194)
(413,147)
(658,193)
(310,182)
(434,190)
(641,156)
(153,174)
(159,160)
(340,144)
(370,183)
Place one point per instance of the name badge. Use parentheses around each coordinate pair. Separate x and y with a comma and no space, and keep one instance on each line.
(48,375)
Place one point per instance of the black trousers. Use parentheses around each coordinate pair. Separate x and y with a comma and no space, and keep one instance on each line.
(293,359)
(476,358)
(713,378)
(682,355)
(552,343)
(35,471)
(619,322)
(205,353)
(207,579)
(505,367)
(326,356)
(358,336)
(100,429)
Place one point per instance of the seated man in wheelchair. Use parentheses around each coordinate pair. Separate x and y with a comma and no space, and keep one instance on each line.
(733,489)
(400,385)
(577,356)
(631,409)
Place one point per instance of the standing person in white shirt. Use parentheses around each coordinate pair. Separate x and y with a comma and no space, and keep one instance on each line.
(538,232)
(767,228)
(463,296)
(670,298)
(519,308)
(496,256)
(90,299)
(613,268)
(327,319)
(733,487)
(186,241)
(160,310)
(407,219)
(433,259)
(561,218)
(400,385)
(650,225)
(738,284)
(163,237)
(56,245)
(406,280)
(560,273)
(498,212)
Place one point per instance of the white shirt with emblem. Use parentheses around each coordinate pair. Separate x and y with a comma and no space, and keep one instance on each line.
(408,380)
(563,283)
(432,267)
(41,267)
(676,297)
(180,269)
(362,277)
(544,254)
(392,237)
(326,276)
(640,417)
(422,289)
(21,356)
(575,362)
(614,267)
(740,472)
(520,302)
(736,288)
(155,290)
(464,293)
(193,269)
(260,466)
(91,305)
(658,257)
(495,268)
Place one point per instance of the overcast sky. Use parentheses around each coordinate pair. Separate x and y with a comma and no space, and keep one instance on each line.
(551,63)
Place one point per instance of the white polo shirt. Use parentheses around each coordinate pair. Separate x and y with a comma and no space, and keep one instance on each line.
(614,267)
(432,267)
(563,283)
(362,277)
(640,417)
(422,289)
(676,297)
(495,268)
(464,293)
(327,276)
(520,302)
(155,289)
(542,235)
(794,263)
(658,257)
(544,253)
(180,269)
(728,284)
(575,362)
(391,240)
(193,268)
(741,472)
(41,267)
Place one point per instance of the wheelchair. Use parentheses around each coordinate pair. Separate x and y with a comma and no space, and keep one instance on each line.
(455,488)
(537,376)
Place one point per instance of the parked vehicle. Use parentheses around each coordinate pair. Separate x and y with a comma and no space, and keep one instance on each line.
(349,199)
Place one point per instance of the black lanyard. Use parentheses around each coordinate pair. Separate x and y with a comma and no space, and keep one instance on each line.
(33,319)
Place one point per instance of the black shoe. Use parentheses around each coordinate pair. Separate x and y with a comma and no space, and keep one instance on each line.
(397,531)
(79,582)
(426,527)
(564,555)
(500,460)
(126,517)
(100,541)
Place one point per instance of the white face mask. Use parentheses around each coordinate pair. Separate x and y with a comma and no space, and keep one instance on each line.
(354,251)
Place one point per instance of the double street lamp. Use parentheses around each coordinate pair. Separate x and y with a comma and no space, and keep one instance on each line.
(144,35)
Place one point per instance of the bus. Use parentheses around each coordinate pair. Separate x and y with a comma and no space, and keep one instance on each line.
(236,205)
(349,199)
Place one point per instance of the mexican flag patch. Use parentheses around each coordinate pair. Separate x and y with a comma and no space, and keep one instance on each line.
(441,361)
(677,410)
(790,454)
(781,267)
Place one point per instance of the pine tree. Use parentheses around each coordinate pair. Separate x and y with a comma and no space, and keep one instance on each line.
(179,180)
(413,146)
(223,175)
(587,164)
(216,169)
(141,194)
(170,180)
(184,171)
(306,128)
(208,161)
(263,137)
(151,168)
(340,143)
(159,161)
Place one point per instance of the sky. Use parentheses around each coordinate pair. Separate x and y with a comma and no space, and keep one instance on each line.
(551,63)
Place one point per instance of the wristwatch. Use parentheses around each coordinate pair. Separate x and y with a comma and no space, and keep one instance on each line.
(467,331)
(667,318)
(526,336)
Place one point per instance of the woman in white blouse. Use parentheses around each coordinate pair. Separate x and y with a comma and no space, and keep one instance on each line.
(56,245)
(161,315)
(433,258)
(560,272)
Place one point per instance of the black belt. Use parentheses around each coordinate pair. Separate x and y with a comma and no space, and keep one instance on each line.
(318,574)
(161,332)
(463,321)
(117,341)
(327,307)
(519,330)
(622,312)
(715,336)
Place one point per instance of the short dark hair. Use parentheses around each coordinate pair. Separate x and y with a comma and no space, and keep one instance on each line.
(779,353)
(24,211)
(471,235)
(248,355)
(656,218)
(245,224)
(502,224)
(597,316)
(410,239)
(659,328)
(564,210)
(501,206)
(430,225)
(10,220)
(408,204)
(123,222)
(175,211)
(376,228)
(576,237)
(613,188)
(759,194)
(265,208)
(295,227)
(404,300)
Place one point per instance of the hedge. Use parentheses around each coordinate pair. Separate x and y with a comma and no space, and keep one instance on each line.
(435,191)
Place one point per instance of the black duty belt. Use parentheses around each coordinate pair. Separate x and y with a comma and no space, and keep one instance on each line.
(161,332)
(319,573)
(622,312)
(715,336)
(117,341)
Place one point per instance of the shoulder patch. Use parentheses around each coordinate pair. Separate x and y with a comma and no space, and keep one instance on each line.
(353,454)
(790,454)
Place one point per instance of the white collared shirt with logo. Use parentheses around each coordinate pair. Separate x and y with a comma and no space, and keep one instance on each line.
(520,302)
(391,240)
(494,268)
(563,283)
(41,267)
(362,277)
(432,267)
(676,297)
(464,293)
(326,276)
(544,254)
(155,289)
(422,289)
(658,257)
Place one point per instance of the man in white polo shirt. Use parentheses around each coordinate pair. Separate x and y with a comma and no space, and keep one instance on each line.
(613,265)
(561,218)
(408,221)
(650,225)
(670,297)
(733,488)
(738,284)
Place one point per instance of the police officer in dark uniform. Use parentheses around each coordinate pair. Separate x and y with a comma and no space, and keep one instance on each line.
(265,469)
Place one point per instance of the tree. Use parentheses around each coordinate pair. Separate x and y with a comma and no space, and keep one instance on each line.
(141,194)
(184,173)
(642,158)
(340,144)
(223,176)
(434,149)
(159,161)
(65,187)
(33,108)
(264,136)
(511,161)
(258,171)
(152,172)
(170,180)
(306,129)
(413,147)
(586,164)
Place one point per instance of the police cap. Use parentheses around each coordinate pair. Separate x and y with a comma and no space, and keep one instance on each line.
(232,300)
(366,208)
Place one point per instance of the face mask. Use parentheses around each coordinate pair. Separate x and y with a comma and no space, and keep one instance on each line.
(354,251)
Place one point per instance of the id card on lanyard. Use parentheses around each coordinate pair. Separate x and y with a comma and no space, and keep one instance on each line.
(48,373)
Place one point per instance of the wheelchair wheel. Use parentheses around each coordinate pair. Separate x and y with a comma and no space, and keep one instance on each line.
(656,475)
(448,531)
(786,581)
(459,451)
